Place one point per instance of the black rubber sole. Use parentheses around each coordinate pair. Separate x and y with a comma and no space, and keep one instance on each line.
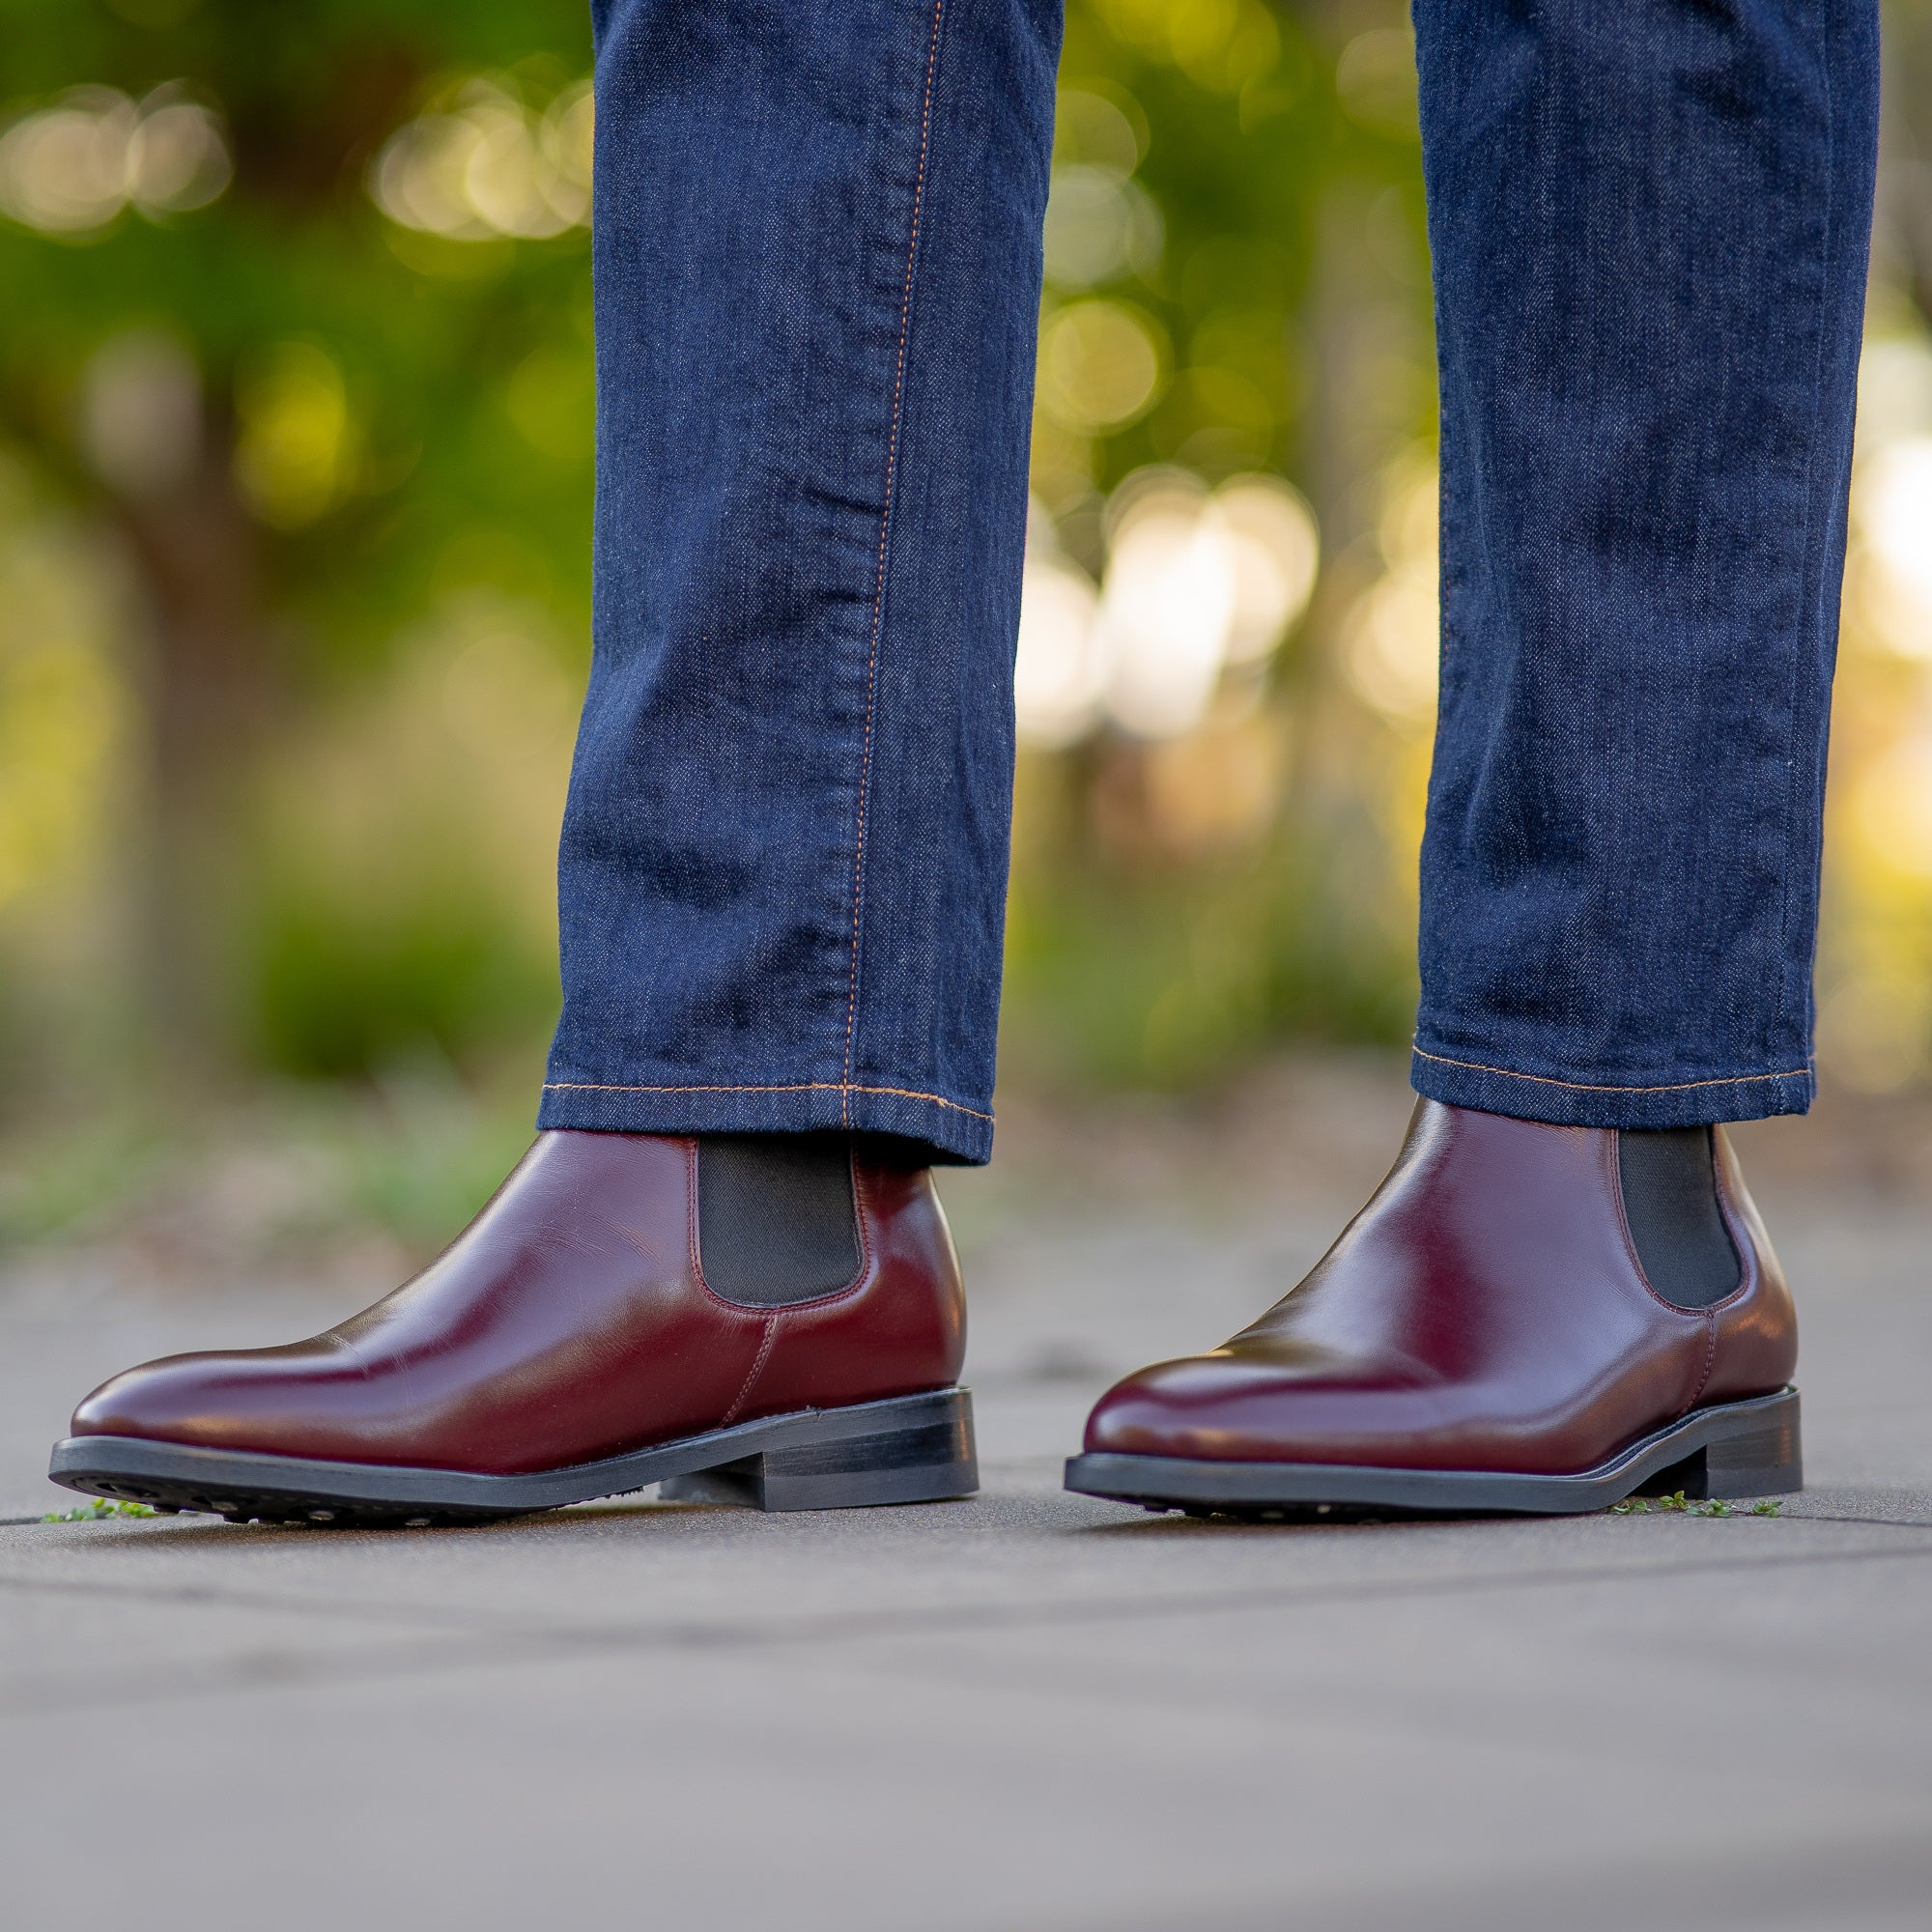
(908,1449)
(1730,1449)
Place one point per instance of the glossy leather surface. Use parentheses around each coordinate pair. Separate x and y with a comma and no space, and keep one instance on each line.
(572,1320)
(1485,1310)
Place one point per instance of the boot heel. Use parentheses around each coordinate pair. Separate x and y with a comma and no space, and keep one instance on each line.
(1758,1454)
(915,1449)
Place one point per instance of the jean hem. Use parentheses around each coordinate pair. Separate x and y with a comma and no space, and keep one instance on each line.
(1607,1102)
(955,1134)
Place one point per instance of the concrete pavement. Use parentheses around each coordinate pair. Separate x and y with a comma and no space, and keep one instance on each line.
(1026,1711)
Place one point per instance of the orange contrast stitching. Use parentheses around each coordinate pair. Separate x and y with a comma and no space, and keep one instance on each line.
(1582,1087)
(796,1086)
(879,585)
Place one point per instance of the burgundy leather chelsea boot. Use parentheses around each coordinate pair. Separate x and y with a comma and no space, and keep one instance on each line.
(1524,1317)
(774,1320)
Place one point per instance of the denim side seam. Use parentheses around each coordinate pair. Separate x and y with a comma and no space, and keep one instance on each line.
(879,583)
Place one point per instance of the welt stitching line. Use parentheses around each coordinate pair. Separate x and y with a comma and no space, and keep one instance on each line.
(879,583)
(751,1375)
(795,1087)
(1583,1086)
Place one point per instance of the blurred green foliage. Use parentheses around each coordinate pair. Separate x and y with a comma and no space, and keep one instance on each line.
(382,422)
(295,499)
(385,420)
(1163,928)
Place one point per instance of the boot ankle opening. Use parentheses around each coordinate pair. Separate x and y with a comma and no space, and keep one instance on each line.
(1670,1200)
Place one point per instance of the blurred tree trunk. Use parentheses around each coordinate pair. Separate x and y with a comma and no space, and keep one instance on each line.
(1904,224)
(206,692)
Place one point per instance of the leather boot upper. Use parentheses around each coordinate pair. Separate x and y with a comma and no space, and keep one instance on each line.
(1486,1310)
(571,1322)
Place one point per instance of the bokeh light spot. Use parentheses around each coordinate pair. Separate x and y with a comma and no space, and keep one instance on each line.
(69,169)
(1377,82)
(1197,584)
(490,167)
(1100,365)
(295,455)
(1099,226)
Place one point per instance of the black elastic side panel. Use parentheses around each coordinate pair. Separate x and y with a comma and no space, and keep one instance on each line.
(1670,1200)
(777,1221)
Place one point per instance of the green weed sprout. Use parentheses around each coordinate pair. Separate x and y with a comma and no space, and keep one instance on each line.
(97,1510)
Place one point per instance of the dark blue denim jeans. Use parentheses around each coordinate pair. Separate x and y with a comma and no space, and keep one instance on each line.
(817,249)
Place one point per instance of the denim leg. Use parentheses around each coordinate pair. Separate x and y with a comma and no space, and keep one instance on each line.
(817,260)
(1649,223)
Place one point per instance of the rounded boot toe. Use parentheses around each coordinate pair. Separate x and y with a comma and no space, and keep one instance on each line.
(1235,1408)
(185,1398)
(1169,1408)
